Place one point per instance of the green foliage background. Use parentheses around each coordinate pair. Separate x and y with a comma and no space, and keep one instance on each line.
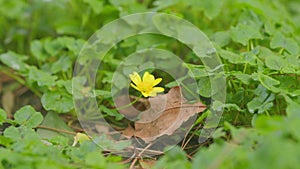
(257,41)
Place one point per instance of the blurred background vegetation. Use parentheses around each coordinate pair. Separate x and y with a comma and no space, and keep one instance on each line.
(257,41)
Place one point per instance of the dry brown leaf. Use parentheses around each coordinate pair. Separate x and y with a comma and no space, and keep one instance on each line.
(158,121)
(8,101)
(1,87)
(147,163)
(128,132)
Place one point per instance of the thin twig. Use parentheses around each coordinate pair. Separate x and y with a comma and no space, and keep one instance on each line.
(127,160)
(139,156)
(149,145)
(185,136)
(55,129)
(191,137)
(133,163)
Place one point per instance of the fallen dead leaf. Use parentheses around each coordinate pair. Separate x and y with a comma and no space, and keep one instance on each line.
(158,121)
(8,102)
(1,87)
(128,132)
(147,163)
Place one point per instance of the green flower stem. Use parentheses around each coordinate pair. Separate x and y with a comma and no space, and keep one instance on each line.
(250,46)
(267,113)
(130,104)
(244,72)
(281,51)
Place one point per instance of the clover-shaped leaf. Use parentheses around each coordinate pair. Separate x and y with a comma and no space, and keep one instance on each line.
(57,101)
(28,116)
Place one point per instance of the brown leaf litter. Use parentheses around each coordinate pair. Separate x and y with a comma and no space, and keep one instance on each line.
(164,116)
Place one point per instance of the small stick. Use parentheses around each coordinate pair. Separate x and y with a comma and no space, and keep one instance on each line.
(58,130)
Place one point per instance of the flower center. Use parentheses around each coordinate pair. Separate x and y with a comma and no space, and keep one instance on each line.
(145,87)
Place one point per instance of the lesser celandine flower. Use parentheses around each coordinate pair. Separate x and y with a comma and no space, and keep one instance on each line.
(146,85)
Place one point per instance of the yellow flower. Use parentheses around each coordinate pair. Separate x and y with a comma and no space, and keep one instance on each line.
(80,137)
(146,86)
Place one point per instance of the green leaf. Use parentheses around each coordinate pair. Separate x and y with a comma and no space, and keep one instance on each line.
(197,71)
(20,134)
(5,141)
(151,41)
(289,85)
(280,41)
(276,63)
(256,104)
(219,133)
(108,144)
(13,133)
(57,140)
(232,57)
(111,112)
(237,97)
(65,84)
(103,93)
(70,29)
(232,106)
(96,5)
(211,8)
(263,101)
(52,46)
(14,60)
(174,158)
(95,159)
(161,4)
(52,120)
(3,116)
(293,109)
(222,38)
(250,57)
(79,87)
(272,60)
(42,78)
(63,64)
(242,33)
(120,80)
(244,78)
(270,27)
(74,45)
(204,86)
(267,81)
(37,49)
(57,101)
(28,116)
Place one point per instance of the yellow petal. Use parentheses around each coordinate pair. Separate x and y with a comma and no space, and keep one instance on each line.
(135,78)
(158,80)
(156,90)
(152,93)
(148,78)
(135,87)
